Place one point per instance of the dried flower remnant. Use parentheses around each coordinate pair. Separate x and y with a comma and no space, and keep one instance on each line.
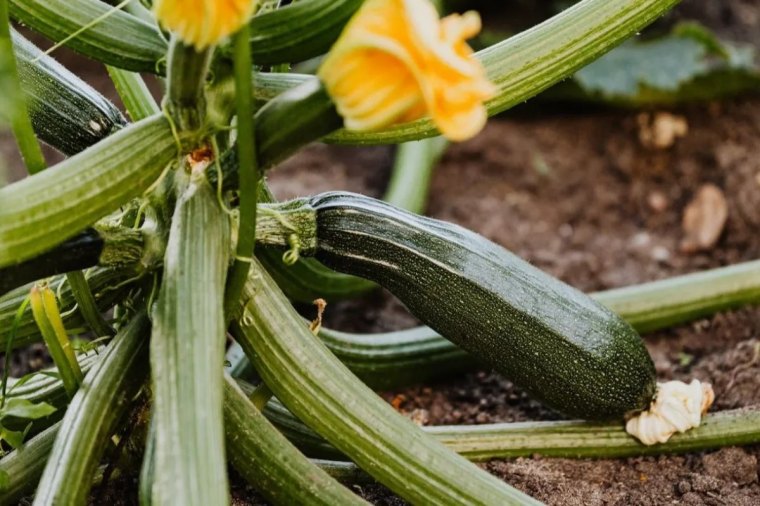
(203,23)
(677,407)
(396,61)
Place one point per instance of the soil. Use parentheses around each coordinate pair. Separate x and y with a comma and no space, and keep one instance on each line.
(581,196)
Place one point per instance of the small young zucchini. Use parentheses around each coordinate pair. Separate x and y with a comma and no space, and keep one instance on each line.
(551,339)
(66,112)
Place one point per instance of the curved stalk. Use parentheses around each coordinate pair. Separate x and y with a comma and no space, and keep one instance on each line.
(272,464)
(319,389)
(43,210)
(564,439)
(93,415)
(187,352)
(118,39)
(299,31)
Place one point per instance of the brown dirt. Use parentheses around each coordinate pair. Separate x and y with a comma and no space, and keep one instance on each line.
(581,197)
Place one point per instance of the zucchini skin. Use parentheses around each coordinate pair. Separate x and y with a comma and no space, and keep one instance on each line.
(80,252)
(66,112)
(554,341)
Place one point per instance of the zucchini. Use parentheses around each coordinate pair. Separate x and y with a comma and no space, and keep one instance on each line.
(560,345)
(66,112)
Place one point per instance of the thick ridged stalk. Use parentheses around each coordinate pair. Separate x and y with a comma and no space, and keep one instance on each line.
(272,464)
(299,31)
(187,353)
(320,390)
(43,210)
(662,304)
(565,439)
(119,39)
(93,416)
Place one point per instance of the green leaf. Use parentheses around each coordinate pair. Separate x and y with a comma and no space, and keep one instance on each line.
(14,438)
(662,64)
(25,409)
(689,64)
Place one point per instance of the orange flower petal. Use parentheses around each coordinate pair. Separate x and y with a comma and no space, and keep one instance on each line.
(203,23)
(397,55)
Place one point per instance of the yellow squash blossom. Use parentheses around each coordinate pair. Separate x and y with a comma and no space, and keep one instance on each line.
(396,61)
(203,23)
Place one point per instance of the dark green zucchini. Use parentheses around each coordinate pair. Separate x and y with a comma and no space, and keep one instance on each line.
(556,342)
(66,112)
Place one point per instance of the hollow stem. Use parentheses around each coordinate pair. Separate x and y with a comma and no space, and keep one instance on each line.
(187,351)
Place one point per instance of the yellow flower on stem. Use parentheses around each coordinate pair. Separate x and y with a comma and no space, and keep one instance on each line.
(396,61)
(203,23)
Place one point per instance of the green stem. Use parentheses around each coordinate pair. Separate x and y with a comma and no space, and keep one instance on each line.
(320,390)
(87,305)
(134,94)
(563,439)
(94,415)
(187,352)
(20,121)
(186,83)
(272,464)
(249,174)
(410,180)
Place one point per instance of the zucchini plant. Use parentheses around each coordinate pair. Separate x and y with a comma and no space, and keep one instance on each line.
(168,222)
